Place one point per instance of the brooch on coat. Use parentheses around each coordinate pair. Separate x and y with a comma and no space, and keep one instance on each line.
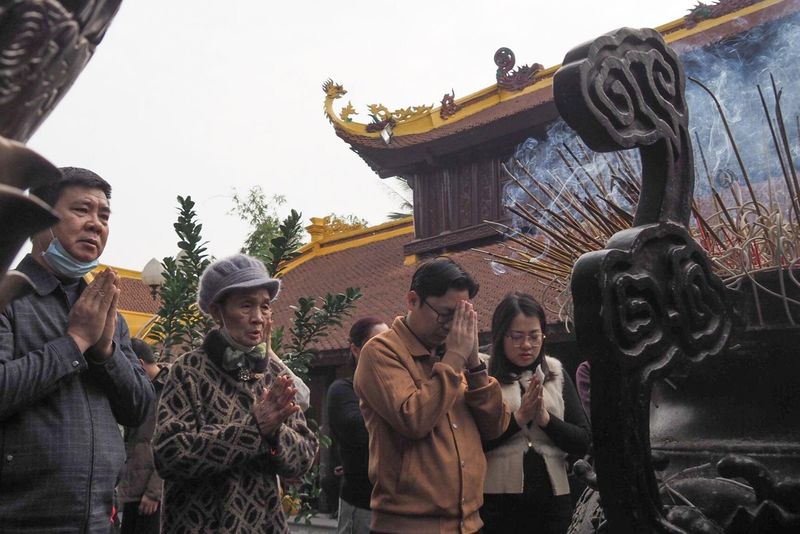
(240,363)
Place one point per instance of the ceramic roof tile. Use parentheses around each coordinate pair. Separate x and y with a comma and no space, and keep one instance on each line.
(135,296)
(378,270)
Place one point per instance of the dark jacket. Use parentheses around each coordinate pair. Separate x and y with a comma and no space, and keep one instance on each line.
(61,451)
(220,474)
(140,476)
(350,433)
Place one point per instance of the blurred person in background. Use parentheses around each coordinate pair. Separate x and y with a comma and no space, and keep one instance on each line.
(141,487)
(351,437)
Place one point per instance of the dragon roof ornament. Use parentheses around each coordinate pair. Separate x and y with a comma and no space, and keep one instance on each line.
(510,79)
(380,114)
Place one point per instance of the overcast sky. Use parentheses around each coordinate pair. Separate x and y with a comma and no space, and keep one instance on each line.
(184,97)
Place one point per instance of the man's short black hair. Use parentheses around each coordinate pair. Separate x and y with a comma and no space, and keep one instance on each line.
(72,176)
(434,278)
(142,350)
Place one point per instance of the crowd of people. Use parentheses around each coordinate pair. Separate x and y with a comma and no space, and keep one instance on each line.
(433,435)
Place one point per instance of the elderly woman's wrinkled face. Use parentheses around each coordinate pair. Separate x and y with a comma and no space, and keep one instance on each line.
(244,314)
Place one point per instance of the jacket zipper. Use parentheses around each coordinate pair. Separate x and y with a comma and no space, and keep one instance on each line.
(87,511)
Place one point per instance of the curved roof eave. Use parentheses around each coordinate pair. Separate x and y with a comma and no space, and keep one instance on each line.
(428,136)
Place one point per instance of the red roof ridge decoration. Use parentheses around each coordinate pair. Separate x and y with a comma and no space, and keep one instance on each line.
(510,79)
(702,11)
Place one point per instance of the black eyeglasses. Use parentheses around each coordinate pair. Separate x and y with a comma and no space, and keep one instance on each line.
(441,318)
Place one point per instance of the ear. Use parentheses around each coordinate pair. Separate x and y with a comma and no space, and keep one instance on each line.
(412,300)
(141,362)
(355,351)
(216,313)
(41,240)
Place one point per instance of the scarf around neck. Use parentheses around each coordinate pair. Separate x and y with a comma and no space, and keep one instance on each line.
(240,360)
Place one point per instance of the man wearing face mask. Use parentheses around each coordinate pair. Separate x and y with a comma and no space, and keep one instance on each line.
(68,375)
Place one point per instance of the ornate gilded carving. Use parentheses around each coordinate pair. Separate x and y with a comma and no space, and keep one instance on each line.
(381,116)
(507,77)
(648,302)
(332,92)
(44,45)
(347,111)
(380,113)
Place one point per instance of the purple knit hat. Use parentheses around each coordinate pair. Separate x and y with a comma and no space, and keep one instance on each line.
(235,272)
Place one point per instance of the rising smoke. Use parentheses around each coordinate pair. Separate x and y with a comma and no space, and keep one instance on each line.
(732,69)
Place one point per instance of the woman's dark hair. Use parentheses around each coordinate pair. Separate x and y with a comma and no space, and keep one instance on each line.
(436,277)
(359,332)
(512,305)
(142,350)
(72,177)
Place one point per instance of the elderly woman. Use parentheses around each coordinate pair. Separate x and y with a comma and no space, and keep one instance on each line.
(228,424)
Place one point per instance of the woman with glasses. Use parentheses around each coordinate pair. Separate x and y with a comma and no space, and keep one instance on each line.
(526,487)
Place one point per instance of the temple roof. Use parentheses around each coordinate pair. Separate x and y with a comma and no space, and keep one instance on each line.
(520,105)
(370,259)
(374,263)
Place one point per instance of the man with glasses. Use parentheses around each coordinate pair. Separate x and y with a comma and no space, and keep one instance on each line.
(427,402)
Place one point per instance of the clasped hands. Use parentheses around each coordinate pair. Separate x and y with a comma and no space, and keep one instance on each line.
(274,405)
(92,320)
(462,339)
(532,407)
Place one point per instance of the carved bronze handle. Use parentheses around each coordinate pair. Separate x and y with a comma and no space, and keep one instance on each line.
(650,299)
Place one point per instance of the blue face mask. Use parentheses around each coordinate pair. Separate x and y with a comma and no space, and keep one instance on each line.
(64,264)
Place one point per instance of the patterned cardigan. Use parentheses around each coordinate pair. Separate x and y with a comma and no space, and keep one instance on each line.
(220,474)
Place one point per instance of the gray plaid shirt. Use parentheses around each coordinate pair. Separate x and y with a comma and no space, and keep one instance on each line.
(61,451)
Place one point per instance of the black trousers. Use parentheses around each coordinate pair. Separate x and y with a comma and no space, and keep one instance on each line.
(526,513)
